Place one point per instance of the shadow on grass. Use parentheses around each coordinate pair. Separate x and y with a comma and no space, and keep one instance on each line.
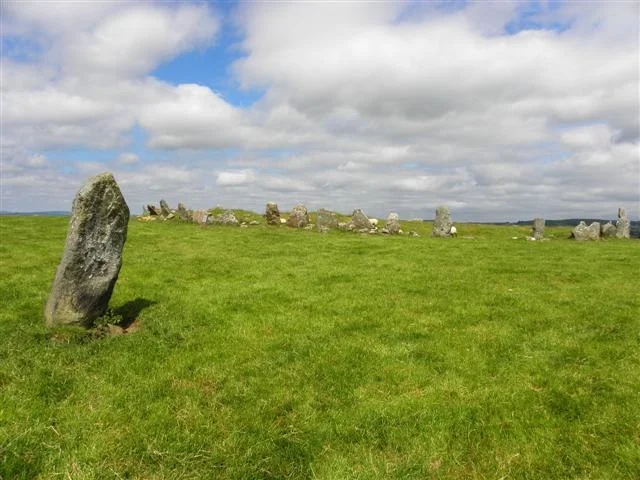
(130,311)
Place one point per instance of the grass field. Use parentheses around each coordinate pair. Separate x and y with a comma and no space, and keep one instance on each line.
(273,353)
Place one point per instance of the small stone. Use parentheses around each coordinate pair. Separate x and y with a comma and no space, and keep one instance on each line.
(442,222)
(393,223)
(92,255)
(272,214)
(299,217)
(537,230)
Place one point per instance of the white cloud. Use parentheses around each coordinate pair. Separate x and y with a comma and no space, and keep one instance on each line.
(128,158)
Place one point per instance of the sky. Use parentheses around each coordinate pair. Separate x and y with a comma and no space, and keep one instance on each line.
(503,110)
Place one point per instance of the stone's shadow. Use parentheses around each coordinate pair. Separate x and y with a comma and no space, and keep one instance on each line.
(130,311)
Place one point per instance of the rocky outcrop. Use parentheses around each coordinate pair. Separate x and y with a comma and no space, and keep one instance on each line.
(92,255)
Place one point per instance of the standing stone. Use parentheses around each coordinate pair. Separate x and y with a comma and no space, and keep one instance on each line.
(272,214)
(583,232)
(359,221)
(623,226)
(92,255)
(153,210)
(225,218)
(145,211)
(200,216)
(442,222)
(537,232)
(393,224)
(299,217)
(326,220)
(165,211)
(182,212)
(609,230)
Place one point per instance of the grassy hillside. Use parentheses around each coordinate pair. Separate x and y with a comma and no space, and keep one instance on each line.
(272,353)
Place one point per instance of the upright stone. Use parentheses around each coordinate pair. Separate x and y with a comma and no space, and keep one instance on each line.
(623,226)
(182,212)
(393,224)
(299,217)
(92,255)
(594,231)
(442,222)
(359,221)
(326,220)
(165,211)
(272,214)
(153,210)
(200,216)
(609,230)
(583,232)
(537,231)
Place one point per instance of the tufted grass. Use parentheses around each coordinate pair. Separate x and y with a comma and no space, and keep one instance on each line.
(265,352)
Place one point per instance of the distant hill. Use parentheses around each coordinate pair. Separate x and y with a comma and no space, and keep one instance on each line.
(53,213)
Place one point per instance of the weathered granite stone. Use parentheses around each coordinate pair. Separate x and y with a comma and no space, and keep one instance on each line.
(145,211)
(623,226)
(182,212)
(393,224)
(359,221)
(583,232)
(609,230)
(537,230)
(326,220)
(165,211)
(299,217)
(92,255)
(200,216)
(153,210)
(272,214)
(442,222)
(225,218)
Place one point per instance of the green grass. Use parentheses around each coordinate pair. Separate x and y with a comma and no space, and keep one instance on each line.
(266,352)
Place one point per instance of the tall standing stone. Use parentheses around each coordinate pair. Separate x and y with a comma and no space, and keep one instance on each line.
(537,231)
(272,214)
(442,222)
(153,210)
(393,223)
(200,216)
(623,226)
(182,212)
(299,217)
(165,211)
(326,220)
(359,221)
(92,255)
(608,230)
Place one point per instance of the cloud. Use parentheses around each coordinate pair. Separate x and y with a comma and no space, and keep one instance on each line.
(128,158)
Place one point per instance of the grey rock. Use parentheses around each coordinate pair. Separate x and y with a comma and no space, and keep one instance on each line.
(225,218)
(327,219)
(272,214)
(537,230)
(165,211)
(299,217)
(359,221)
(582,232)
(385,231)
(145,211)
(182,212)
(623,226)
(393,223)
(609,230)
(92,255)
(343,225)
(153,210)
(254,222)
(414,234)
(442,222)
(200,216)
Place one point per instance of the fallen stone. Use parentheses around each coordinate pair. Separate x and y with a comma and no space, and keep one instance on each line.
(442,222)
(299,217)
(225,218)
(92,255)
